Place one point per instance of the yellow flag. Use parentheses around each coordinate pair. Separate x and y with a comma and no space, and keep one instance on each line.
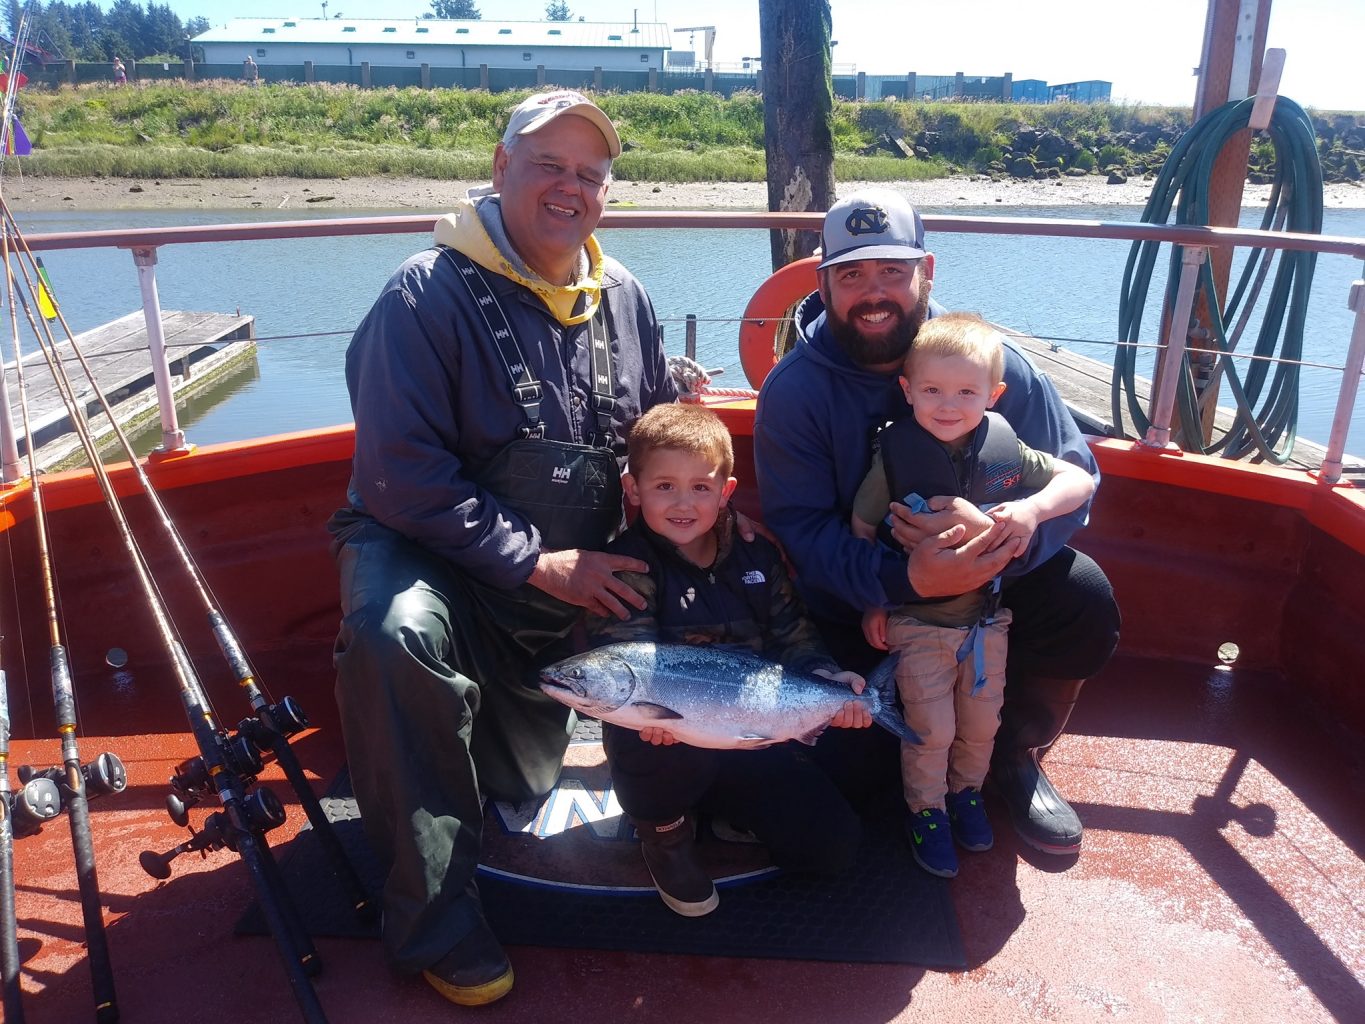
(45,305)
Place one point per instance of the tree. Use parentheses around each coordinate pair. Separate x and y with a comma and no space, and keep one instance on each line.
(456,10)
(798,102)
(557,11)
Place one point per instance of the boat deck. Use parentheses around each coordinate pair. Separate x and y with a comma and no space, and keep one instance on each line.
(1221,880)
(1223,874)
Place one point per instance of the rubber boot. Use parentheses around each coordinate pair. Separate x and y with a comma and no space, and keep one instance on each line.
(1034,715)
(670,852)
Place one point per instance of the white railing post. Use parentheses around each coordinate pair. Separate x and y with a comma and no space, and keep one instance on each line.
(10,468)
(1172,357)
(1350,387)
(172,437)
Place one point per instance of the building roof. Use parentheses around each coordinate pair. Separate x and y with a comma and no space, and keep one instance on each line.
(410,31)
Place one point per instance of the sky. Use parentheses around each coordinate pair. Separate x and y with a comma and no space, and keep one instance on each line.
(1147,49)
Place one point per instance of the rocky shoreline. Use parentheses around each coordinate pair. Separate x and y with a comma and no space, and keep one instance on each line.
(353,195)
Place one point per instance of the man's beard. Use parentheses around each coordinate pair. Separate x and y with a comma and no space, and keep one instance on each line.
(886,349)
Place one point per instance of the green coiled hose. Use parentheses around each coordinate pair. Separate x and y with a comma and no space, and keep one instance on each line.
(1266,395)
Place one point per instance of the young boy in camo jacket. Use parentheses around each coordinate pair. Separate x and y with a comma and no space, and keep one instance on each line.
(706,585)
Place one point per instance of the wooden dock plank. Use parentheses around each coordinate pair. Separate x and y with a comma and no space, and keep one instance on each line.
(1085,385)
(118,356)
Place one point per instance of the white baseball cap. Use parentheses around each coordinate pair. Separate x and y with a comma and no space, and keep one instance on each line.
(539,109)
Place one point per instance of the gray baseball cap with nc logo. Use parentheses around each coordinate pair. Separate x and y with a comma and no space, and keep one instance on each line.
(876,224)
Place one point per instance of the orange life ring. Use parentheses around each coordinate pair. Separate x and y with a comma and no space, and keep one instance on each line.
(758,331)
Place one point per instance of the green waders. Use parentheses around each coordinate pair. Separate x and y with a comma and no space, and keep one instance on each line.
(438,701)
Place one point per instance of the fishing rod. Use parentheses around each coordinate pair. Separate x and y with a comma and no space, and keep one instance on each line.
(245,816)
(24,813)
(9,926)
(72,785)
(273,724)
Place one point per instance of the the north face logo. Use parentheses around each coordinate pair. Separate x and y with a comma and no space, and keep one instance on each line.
(866,220)
(755,576)
(559,475)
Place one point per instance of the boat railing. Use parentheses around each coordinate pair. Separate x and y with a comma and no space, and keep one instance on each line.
(1196,243)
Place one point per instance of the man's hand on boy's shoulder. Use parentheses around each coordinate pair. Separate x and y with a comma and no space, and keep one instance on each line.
(748,528)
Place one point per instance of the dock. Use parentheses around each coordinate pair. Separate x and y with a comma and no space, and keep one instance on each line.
(200,347)
(1084,383)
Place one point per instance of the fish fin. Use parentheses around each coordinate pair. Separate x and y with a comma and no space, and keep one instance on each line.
(881,688)
(882,680)
(753,741)
(809,738)
(656,711)
(892,722)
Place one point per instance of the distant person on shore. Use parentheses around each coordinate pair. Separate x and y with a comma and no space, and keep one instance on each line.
(818,416)
(250,72)
(950,669)
(120,72)
(704,585)
(493,383)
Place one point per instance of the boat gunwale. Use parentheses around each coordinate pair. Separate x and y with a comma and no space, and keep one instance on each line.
(1338,508)
(151,238)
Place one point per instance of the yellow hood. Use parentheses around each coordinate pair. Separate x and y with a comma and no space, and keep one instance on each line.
(463,231)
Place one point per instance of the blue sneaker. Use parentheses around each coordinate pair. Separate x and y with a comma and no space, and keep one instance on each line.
(971,828)
(931,842)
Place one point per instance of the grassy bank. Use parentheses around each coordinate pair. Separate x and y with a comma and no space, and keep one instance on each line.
(210,130)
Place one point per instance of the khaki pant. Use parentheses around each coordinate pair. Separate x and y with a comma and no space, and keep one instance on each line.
(958,727)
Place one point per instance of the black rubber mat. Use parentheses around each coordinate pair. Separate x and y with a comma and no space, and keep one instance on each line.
(884,910)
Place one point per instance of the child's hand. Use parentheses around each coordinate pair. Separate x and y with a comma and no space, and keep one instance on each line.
(874,628)
(945,512)
(658,737)
(852,680)
(1017,521)
(854,714)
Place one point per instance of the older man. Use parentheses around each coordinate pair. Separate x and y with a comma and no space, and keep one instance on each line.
(818,416)
(493,381)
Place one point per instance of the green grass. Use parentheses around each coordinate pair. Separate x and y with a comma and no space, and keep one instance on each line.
(224,130)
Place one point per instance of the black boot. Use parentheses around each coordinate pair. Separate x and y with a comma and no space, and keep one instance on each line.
(1034,715)
(670,852)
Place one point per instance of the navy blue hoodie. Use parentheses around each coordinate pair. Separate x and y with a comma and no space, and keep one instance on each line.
(818,416)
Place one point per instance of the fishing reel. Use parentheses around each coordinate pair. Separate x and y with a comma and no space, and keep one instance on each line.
(192,783)
(262,811)
(35,803)
(102,776)
(285,719)
(242,749)
(42,794)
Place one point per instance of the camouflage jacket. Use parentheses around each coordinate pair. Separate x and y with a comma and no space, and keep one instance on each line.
(744,601)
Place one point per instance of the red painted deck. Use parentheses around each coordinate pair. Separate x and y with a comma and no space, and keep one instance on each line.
(1222,877)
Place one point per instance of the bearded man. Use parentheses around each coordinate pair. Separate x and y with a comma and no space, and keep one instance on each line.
(819,414)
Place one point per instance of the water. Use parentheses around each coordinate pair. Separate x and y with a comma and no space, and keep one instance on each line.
(308,295)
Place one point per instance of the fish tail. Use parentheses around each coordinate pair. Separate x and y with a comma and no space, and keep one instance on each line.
(881,682)
(892,722)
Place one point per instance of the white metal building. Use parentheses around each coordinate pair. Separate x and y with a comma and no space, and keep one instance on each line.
(414,41)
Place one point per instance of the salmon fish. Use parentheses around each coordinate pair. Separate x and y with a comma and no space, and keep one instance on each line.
(711,697)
